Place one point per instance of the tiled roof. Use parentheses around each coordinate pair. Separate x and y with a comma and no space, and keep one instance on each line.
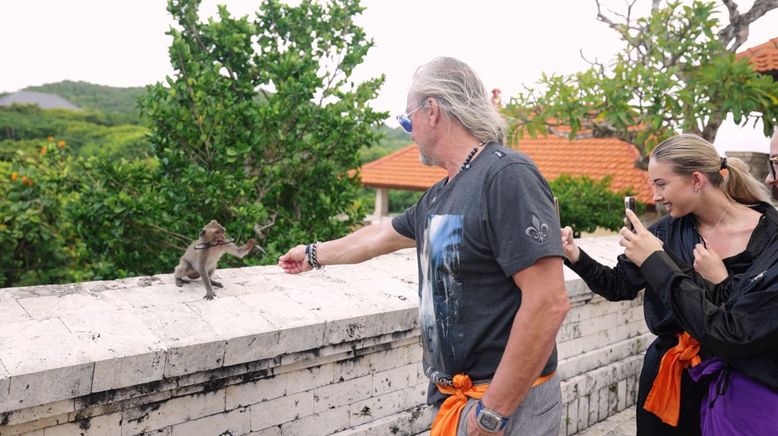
(763,57)
(401,170)
(592,157)
(595,157)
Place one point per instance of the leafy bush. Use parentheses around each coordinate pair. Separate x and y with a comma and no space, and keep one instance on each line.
(586,204)
(273,166)
(280,162)
(40,245)
(24,127)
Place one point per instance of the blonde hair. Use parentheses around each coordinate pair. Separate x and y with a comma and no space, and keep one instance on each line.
(689,153)
(461,95)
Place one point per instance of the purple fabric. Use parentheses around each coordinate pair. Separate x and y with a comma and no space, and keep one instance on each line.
(735,404)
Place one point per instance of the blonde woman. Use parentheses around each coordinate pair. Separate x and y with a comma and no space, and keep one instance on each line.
(710,270)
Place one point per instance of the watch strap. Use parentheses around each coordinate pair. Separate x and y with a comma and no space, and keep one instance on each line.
(480,408)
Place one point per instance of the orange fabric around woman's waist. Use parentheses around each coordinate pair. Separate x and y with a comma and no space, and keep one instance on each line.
(447,419)
(664,399)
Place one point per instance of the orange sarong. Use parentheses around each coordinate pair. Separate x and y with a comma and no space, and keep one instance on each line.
(664,399)
(447,419)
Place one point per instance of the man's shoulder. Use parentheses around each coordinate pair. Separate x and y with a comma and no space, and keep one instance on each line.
(501,156)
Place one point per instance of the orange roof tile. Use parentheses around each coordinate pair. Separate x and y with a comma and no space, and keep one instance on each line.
(594,157)
(763,57)
(401,170)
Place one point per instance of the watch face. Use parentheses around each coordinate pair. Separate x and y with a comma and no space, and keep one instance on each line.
(489,421)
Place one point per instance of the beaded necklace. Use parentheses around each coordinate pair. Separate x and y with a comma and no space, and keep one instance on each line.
(466,163)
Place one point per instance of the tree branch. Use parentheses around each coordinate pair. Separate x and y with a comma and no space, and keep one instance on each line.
(736,33)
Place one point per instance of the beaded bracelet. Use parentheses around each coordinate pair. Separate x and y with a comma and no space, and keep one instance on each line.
(310,254)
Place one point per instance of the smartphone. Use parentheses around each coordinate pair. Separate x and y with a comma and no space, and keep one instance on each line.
(629,203)
(556,207)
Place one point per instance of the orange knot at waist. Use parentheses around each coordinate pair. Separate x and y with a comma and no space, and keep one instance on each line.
(664,399)
(462,388)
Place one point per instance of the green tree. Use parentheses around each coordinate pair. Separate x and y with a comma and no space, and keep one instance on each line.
(277,165)
(271,164)
(676,72)
(23,128)
(585,204)
(38,245)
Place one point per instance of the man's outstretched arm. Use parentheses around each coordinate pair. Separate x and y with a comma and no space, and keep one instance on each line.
(364,244)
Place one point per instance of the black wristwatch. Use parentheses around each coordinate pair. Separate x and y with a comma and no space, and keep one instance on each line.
(489,420)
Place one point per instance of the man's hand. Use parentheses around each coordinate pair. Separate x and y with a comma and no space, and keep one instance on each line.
(294,261)
(473,429)
(641,243)
(709,264)
(572,252)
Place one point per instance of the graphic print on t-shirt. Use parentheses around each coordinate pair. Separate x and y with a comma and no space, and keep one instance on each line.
(441,293)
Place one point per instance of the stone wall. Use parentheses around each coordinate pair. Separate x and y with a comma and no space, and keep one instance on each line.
(756,161)
(328,352)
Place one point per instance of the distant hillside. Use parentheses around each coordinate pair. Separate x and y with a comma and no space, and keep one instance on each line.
(392,140)
(118,104)
(25,129)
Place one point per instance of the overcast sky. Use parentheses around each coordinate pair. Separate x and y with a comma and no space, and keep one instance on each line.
(509,43)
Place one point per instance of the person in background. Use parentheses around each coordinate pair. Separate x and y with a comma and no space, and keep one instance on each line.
(489,253)
(702,308)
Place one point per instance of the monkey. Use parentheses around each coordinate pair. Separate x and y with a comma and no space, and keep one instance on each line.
(202,255)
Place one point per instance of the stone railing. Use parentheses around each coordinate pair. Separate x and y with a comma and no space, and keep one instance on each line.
(327,352)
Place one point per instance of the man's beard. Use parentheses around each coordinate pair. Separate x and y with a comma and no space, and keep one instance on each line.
(774,191)
(424,158)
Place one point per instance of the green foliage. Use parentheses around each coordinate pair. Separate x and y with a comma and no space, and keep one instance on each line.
(273,166)
(117,215)
(399,200)
(64,218)
(282,161)
(585,204)
(672,75)
(24,128)
(391,140)
(39,245)
(120,105)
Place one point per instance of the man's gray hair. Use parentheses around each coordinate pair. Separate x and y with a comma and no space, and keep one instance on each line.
(462,96)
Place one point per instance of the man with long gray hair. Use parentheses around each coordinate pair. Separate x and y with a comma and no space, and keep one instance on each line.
(489,252)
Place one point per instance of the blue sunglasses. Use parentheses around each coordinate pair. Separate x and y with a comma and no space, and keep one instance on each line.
(405,120)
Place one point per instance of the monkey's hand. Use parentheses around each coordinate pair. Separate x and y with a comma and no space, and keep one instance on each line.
(294,262)
(250,244)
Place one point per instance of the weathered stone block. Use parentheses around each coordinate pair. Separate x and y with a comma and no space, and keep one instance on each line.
(102,425)
(340,394)
(236,422)
(282,410)
(246,394)
(44,362)
(155,416)
(326,422)
(125,352)
(394,379)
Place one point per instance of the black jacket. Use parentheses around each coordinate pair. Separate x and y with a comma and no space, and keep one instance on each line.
(736,320)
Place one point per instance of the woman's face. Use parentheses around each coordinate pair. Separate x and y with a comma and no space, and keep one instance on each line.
(673,190)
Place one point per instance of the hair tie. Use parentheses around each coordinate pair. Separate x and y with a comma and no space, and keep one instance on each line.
(723,163)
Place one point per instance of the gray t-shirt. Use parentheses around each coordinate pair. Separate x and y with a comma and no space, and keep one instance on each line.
(472,235)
